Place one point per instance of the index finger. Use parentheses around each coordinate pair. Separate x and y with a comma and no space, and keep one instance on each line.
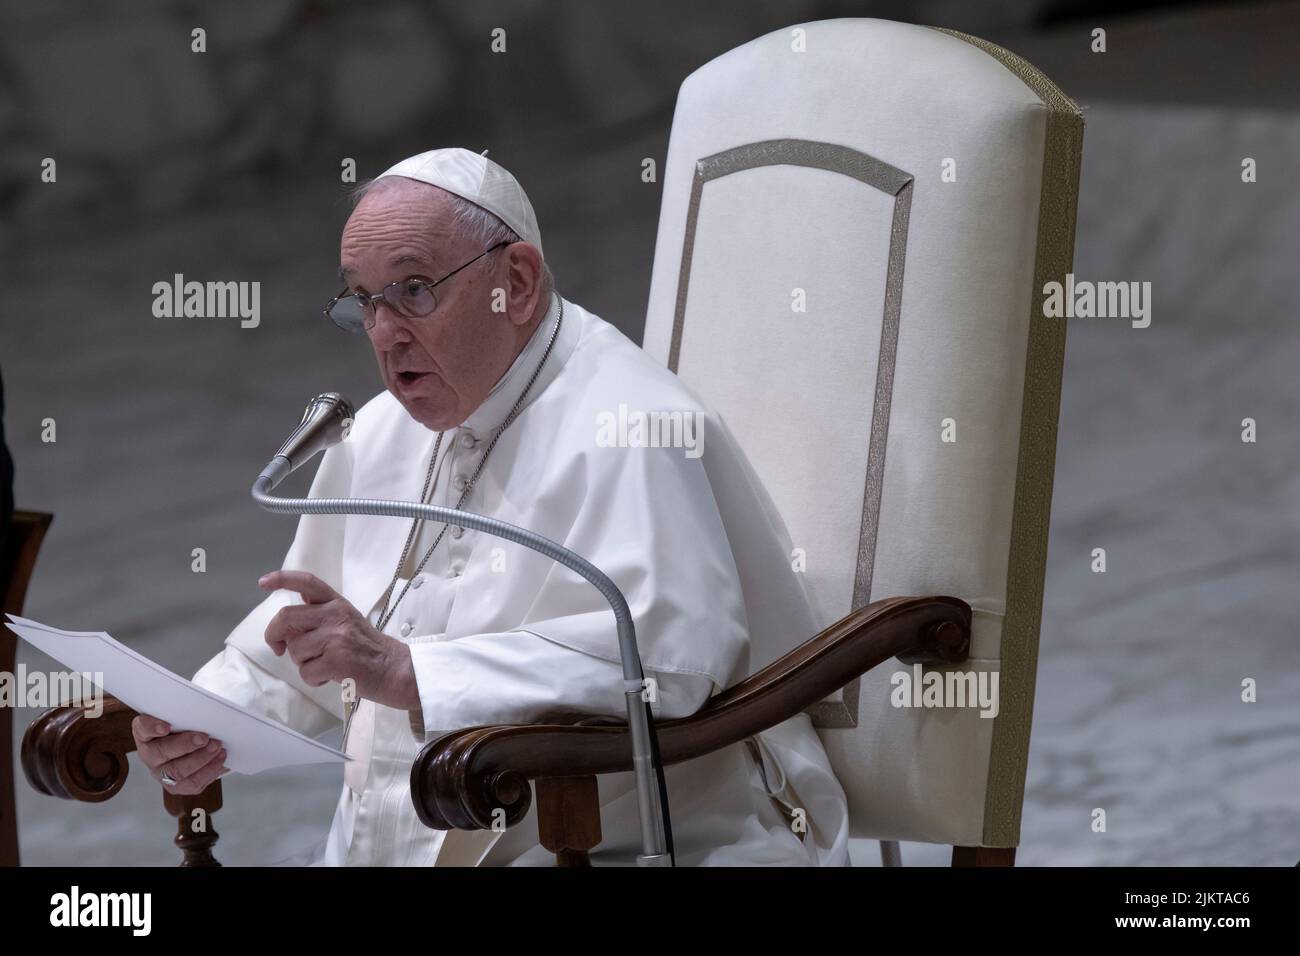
(312,588)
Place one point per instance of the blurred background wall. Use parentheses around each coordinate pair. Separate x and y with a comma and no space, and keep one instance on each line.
(225,165)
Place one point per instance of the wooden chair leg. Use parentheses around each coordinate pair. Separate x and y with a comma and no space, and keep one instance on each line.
(195,835)
(17,563)
(983,856)
(568,818)
(8,803)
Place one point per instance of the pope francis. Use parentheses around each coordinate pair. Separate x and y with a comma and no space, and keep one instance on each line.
(499,393)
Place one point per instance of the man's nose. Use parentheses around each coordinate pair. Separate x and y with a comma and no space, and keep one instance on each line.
(388,329)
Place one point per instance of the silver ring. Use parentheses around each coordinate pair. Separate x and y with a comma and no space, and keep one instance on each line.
(166,778)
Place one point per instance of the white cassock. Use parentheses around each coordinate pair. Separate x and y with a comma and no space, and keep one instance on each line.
(500,634)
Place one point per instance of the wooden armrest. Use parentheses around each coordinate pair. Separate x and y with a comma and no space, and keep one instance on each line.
(67,754)
(462,777)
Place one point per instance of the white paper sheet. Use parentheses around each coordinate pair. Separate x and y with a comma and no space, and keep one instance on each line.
(253,743)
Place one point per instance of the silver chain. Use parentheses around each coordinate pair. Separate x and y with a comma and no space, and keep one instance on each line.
(426,497)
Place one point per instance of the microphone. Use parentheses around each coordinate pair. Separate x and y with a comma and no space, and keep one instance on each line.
(325,423)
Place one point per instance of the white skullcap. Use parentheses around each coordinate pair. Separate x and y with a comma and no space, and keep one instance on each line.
(478,179)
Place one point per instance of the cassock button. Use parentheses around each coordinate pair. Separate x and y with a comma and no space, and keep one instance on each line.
(460,482)
(467,440)
(457,531)
(406,629)
(417,582)
(454,571)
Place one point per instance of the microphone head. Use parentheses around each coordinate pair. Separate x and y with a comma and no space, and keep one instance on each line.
(325,422)
(330,403)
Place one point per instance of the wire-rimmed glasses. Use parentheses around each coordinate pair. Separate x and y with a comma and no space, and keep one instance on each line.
(411,298)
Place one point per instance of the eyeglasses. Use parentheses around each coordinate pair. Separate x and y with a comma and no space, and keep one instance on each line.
(411,298)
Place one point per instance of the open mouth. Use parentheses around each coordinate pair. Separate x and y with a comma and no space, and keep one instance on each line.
(408,378)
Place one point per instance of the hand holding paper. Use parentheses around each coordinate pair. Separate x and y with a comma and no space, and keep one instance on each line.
(253,743)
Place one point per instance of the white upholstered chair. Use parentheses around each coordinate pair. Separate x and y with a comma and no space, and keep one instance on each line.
(858,220)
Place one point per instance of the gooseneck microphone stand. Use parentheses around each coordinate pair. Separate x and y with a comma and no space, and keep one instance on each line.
(325,423)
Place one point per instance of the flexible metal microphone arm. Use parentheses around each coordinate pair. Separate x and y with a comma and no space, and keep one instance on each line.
(653,812)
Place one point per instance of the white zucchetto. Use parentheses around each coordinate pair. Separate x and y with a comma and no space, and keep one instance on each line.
(478,179)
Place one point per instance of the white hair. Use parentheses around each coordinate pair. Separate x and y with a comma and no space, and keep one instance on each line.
(483,228)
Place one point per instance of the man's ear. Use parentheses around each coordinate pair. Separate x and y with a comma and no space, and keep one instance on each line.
(523,281)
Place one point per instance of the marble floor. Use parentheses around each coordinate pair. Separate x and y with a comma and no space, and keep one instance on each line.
(1138,704)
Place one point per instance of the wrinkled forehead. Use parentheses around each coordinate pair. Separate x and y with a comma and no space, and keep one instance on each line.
(399,222)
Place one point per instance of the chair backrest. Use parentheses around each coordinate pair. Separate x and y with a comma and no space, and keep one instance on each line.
(858,220)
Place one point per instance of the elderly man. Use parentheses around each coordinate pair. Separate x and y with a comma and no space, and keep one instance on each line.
(505,399)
